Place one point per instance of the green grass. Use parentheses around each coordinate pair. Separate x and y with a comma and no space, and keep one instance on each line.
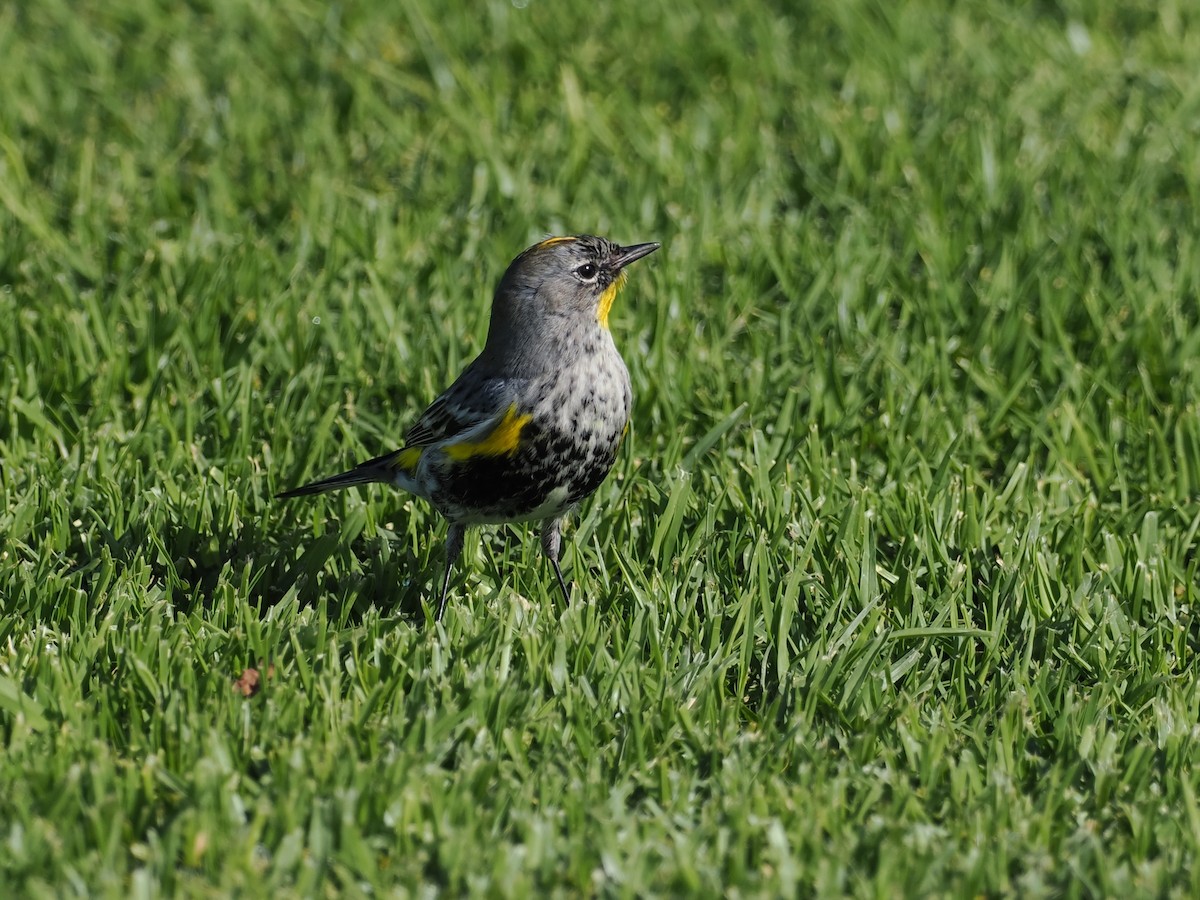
(892,593)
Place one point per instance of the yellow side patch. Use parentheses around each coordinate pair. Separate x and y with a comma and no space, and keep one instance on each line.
(607,298)
(408,458)
(503,440)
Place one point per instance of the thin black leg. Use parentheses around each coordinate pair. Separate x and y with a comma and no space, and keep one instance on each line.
(454,545)
(551,545)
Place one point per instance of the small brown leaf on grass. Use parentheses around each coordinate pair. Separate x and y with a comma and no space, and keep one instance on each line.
(248,684)
(251,681)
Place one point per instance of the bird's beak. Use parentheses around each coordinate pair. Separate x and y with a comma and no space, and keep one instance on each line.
(626,255)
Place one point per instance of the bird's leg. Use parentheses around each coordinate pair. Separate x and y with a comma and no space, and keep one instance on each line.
(551,544)
(454,545)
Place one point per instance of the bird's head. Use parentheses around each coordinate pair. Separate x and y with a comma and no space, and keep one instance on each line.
(560,288)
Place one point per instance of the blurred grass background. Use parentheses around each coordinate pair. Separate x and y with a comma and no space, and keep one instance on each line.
(892,593)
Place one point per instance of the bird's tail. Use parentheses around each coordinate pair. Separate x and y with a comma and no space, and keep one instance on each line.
(380,469)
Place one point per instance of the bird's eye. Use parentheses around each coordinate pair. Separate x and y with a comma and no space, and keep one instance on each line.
(587,271)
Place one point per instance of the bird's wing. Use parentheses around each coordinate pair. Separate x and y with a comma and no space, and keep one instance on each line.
(444,418)
(463,409)
(475,416)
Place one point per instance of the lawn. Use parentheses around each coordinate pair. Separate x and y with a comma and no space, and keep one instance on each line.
(892,592)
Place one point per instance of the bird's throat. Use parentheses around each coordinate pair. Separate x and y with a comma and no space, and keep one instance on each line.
(607,298)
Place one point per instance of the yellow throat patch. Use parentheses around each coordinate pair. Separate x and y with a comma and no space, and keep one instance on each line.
(503,440)
(607,298)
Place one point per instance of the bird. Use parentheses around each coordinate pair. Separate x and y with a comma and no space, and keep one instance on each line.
(532,426)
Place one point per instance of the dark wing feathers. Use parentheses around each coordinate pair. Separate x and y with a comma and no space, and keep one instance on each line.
(442,419)
(462,406)
(467,403)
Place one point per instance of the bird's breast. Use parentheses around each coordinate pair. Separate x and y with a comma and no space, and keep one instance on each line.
(573,419)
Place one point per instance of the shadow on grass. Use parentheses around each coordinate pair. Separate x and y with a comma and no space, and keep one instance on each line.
(266,563)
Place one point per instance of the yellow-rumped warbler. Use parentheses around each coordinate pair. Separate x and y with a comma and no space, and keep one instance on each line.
(532,426)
